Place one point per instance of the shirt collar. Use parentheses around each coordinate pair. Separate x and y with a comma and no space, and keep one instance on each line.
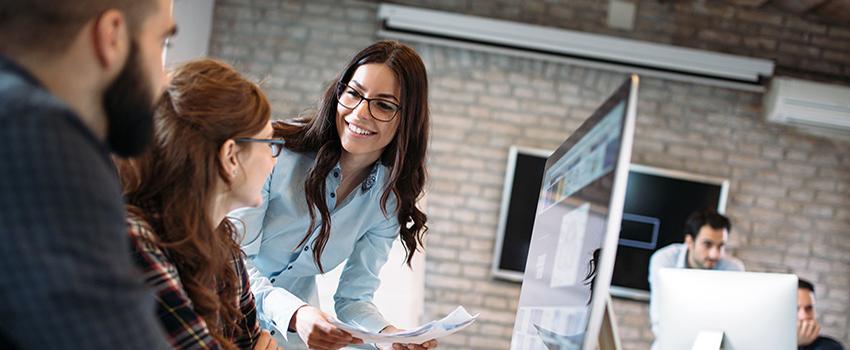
(13,67)
(370,179)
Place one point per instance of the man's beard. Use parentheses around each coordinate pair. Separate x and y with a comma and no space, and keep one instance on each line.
(129,108)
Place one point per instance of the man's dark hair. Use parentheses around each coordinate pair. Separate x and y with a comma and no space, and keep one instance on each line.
(804,284)
(704,217)
(49,26)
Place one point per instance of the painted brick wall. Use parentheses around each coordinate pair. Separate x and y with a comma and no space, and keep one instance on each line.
(789,196)
(789,192)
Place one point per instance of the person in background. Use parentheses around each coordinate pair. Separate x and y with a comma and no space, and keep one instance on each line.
(808,329)
(211,154)
(706,234)
(78,80)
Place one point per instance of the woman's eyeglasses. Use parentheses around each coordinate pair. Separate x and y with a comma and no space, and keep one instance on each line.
(380,109)
(275,144)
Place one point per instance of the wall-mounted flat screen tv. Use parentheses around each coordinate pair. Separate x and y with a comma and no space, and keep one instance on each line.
(657,203)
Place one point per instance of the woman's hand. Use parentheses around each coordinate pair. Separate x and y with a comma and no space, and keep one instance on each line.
(319,334)
(397,346)
(266,342)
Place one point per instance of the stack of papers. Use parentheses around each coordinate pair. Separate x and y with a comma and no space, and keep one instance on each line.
(454,322)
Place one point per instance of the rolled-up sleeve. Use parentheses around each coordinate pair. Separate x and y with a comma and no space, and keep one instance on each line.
(360,277)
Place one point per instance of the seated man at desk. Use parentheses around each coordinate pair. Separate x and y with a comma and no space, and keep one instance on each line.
(706,233)
(808,329)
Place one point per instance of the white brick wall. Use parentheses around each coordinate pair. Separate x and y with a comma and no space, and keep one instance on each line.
(789,197)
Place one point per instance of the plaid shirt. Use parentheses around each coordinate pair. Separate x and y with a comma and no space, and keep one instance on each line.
(186,329)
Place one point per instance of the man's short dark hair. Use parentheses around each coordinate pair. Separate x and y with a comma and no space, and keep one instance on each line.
(49,26)
(704,217)
(804,284)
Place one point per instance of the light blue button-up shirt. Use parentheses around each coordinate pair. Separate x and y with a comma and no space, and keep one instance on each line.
(283,274)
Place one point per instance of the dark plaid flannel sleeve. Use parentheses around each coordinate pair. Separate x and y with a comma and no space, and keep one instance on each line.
(185,328)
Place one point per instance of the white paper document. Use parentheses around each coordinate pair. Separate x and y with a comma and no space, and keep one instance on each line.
(455,321)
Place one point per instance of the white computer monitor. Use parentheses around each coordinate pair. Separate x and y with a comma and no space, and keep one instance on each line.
(753,310)
(576,228)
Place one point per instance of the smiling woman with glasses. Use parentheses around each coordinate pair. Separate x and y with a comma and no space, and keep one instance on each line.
(344,192)
(207,159)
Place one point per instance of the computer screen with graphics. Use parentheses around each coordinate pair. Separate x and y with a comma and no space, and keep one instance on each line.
(576,227)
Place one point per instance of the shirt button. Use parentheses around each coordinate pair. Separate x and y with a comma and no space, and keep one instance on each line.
(306,248)
(336,174)
(333,195)
(272,280)
(289,268)
(272,332)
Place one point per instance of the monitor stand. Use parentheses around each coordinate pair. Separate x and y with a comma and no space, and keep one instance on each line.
(608,337)
(708,340)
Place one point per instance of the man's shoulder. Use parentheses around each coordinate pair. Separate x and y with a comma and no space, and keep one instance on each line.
(671,247)
(24,104)
(729,263)
(37,126)
(667,255)
(20,95)
(826,343)
(53,163)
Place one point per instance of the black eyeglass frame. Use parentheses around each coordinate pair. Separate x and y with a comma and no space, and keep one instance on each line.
(275,144)
(341,88)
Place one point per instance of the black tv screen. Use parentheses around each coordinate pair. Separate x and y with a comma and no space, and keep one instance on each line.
(657,203)
(520,215)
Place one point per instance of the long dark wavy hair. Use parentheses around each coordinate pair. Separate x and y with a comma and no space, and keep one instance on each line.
(592,271)
(171,185)
(404,155)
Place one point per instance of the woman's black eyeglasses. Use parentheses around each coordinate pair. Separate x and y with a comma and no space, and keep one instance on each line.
(380,109)
(275,144)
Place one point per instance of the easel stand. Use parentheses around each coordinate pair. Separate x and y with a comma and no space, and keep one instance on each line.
(608,338)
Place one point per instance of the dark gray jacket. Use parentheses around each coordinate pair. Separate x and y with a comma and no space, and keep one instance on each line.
(67,280)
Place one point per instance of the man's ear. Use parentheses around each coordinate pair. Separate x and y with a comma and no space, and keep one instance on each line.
(228,160)
(689,240)
(111,40)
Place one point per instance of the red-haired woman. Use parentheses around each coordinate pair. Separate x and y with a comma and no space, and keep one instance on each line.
(212,151)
